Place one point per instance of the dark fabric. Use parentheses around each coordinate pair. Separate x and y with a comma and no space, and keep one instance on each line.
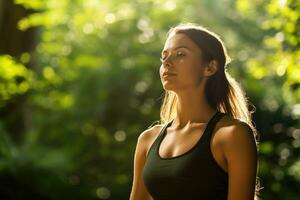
(192,175)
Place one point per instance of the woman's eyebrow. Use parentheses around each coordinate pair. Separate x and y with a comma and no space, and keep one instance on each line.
(181,46)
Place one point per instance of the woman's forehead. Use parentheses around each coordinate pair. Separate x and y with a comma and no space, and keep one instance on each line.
(179,39)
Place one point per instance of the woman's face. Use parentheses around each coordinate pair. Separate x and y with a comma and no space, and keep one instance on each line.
(181,57)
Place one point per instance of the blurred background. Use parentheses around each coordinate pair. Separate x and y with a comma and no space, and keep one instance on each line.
(79,81)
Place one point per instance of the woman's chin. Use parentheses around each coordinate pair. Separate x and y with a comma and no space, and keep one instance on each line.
(168,87)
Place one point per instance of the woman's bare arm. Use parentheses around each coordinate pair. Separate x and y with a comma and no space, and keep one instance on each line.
(241,155)
(139,191)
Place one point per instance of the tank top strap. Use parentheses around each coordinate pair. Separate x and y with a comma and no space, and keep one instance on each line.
(159,137)
(162,131)
(211,125)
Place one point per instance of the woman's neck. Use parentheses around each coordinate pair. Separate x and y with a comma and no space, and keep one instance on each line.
(192,108)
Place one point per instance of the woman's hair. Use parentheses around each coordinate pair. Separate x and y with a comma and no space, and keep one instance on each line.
(222,91)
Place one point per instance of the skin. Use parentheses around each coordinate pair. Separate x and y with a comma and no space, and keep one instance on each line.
(232,144)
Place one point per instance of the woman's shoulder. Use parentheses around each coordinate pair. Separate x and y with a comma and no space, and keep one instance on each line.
(234,131)
(230,124)
(148,136)
(150,133)
(227,121)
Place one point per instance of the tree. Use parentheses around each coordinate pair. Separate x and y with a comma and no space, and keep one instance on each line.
(91,86)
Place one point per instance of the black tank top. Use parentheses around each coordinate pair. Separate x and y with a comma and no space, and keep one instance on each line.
(194,175)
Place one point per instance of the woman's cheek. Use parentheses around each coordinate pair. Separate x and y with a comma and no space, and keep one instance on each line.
(191,72)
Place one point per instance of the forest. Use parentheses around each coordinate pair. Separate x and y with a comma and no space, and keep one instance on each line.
(79,82)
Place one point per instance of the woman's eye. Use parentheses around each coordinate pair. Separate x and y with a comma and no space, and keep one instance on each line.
(180,53)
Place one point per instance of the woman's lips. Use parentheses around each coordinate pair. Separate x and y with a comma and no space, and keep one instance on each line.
(168,74)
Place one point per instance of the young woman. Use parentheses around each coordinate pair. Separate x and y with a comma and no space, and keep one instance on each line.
(206,145)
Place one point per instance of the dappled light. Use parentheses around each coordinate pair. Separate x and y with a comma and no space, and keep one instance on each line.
(80,82)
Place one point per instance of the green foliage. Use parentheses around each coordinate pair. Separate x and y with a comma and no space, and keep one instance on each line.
(94,87)
(277,65)
(15,79)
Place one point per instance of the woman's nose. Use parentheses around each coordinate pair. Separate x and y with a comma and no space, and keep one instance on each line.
(168,60)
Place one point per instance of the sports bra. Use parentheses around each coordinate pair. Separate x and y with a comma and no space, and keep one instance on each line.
(193,175)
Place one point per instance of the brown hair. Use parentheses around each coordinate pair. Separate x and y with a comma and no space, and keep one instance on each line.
(222,91)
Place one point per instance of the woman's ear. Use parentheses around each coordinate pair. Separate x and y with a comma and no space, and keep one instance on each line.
(211,68)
